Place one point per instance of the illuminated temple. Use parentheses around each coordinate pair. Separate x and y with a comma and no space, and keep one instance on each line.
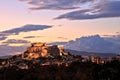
(42,50)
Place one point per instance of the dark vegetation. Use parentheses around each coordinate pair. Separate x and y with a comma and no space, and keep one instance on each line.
(75,71)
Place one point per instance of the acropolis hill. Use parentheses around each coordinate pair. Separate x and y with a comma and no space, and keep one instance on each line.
(44,55)
(40,49)
(50,62)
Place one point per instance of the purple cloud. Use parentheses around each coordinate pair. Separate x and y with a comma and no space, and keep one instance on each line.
(94,43)
(16,41)
(56,4)
(33,37)
(25,28)
(7,49)
(83,9)
(109,9)
(2,37)
(11,50)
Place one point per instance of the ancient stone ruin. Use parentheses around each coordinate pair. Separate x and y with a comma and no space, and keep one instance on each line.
(42,50)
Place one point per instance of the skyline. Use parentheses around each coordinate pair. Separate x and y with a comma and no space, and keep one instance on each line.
(69,19)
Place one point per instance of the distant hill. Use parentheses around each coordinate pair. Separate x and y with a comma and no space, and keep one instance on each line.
(83,53)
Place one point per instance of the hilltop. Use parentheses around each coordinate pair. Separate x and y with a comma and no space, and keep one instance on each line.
(38,50)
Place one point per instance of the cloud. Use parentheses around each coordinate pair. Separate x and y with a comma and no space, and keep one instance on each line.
(33,37)
(118,32)
(63,38)
(93,44)
(16,41)
(13,46)
(55,4)
(112,38)
(83,9)
(57,43)
(30,37)
(11,50)
(25,28)
(2,38)
(106,10)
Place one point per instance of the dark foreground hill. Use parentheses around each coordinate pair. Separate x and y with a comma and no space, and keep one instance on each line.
(75,71)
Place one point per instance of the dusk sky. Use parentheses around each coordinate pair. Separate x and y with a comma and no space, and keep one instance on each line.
(69,19)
